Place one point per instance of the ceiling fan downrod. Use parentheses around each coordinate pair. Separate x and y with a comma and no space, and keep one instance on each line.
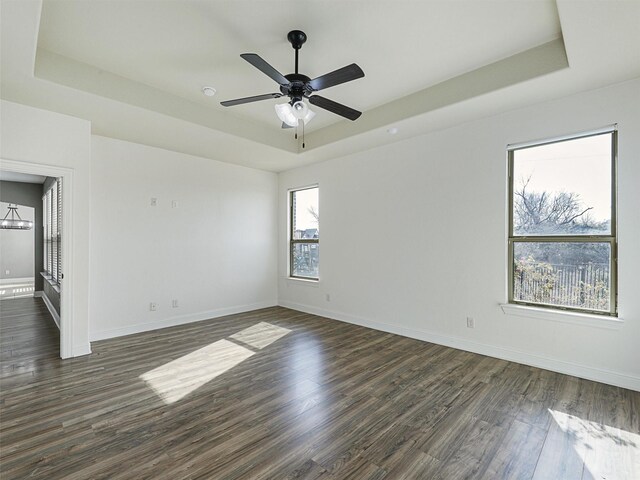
(297,39)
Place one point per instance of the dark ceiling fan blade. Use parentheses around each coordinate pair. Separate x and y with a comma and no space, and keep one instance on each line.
(335,107)
(284,125)
(240,101)
(258,62)
(342,75)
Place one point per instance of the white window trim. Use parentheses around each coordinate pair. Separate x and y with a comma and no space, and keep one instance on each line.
(309,282)
(562,316)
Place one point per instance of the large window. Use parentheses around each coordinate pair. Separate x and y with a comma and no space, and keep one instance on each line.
(52,223)
(562,224)
(304,233)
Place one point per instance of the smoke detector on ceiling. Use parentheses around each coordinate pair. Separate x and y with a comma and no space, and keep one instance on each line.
(209,91)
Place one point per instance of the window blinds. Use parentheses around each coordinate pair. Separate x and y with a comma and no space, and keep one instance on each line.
(52,223)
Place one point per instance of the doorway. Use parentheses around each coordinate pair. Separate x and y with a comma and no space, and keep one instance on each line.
(29,298)
(58,285)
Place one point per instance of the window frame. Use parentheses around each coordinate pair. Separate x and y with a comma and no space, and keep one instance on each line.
(612,238)
(293,242)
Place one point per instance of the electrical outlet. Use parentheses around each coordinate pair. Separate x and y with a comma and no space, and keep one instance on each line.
(174,204)
(7,272)
(154,201)
(153,307)
(471,323)
(174,303)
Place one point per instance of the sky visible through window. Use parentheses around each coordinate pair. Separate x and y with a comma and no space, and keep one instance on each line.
(305,199)
(582,166)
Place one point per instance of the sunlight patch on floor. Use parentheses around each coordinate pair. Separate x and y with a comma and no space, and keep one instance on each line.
(176,379)
(608,452)
(260,335)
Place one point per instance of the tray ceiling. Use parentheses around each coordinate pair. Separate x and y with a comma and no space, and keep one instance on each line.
(419,58)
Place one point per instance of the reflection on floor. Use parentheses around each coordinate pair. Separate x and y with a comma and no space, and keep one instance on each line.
(12,289)
(281,394)
(29,340)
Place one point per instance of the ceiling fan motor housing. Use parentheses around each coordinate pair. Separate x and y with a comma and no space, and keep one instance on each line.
(298,87)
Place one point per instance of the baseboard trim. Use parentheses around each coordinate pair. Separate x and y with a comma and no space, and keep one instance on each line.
(11,281)
(178,320)
(560,366)
(52,310)
(38,293)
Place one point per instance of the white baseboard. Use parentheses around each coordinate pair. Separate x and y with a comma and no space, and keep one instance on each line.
(177,320)
(561,366)
(18,281)
(52,311)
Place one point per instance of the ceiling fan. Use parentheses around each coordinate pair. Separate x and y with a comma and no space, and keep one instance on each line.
(297,86)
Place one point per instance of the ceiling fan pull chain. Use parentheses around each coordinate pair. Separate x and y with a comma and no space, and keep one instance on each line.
(302,133)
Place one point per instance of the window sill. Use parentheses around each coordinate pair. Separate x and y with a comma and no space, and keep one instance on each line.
(51,282)
(310,282)
(575,318)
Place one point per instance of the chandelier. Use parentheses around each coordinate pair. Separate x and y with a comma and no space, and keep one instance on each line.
(14,223)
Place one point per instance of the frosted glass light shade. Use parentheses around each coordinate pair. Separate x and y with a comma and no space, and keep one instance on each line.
(285,113)
(291,114)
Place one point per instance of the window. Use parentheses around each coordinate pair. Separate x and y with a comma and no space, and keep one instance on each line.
(304,232)
(562,224)
(52,223)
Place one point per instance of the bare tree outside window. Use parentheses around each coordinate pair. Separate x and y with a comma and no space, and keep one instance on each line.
(552,213)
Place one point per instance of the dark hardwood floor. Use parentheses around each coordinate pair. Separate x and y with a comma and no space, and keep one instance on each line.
(280,394)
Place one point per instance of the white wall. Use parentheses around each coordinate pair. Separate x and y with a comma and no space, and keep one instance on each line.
(403,227)
(215,252)
(413,239)
(35,136)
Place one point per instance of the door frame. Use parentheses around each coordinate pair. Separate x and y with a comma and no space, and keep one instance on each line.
(66,290)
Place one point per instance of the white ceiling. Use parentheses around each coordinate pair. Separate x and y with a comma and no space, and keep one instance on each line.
(403,47)
(21,177)
(135,68)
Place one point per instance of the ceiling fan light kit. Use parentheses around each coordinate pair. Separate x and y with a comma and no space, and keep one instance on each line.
(291,114)
(297,87)
(285,113)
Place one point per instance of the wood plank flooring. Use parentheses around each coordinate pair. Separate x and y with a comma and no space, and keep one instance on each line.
(281,394)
